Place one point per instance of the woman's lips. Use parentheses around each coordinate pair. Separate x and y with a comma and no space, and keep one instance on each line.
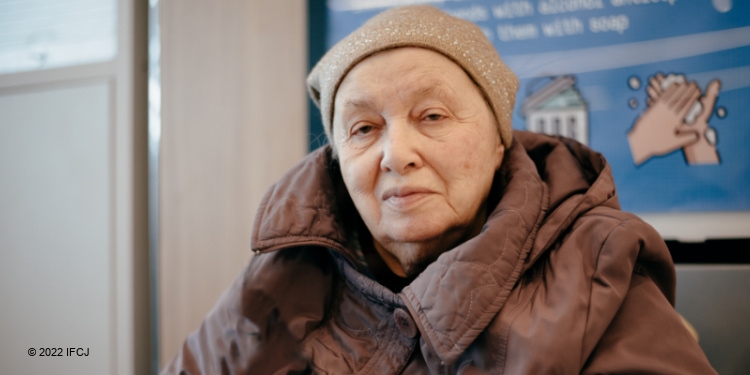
(405,196)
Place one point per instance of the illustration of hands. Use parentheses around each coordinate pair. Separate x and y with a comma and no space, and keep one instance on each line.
(676,119)
(660,129)
(704,151)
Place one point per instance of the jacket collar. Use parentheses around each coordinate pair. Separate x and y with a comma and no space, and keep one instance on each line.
(304,208)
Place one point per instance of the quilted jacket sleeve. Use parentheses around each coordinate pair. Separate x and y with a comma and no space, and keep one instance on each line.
(258,323)
(634,342)
(646,334)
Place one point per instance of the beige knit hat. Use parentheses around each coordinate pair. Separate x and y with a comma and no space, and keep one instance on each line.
(426,27)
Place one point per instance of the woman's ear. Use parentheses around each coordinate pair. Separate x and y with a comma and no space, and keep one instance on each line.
(500,154)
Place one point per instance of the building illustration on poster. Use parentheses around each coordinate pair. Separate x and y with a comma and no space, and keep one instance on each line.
(659,87)
(557,109)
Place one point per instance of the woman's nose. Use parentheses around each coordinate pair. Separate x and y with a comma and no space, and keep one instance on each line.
(400,148)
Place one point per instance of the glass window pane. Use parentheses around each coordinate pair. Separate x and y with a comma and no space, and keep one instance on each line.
(41,34)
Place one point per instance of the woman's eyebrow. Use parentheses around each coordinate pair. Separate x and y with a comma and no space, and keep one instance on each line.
(358,103)
(431,89)
(437,90)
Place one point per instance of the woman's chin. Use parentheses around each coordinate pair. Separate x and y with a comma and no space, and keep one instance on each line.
(412,236)
(412,229)
(414,250)
(413,261)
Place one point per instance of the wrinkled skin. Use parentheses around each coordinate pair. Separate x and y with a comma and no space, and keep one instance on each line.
(418,148)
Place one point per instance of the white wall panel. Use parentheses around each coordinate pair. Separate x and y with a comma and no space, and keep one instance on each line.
(55,229)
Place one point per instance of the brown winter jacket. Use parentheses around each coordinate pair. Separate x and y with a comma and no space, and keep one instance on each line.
(559,281)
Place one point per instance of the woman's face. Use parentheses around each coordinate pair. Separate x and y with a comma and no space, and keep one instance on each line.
(418,149)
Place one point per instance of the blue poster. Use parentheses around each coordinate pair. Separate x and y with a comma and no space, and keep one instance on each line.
(660,87)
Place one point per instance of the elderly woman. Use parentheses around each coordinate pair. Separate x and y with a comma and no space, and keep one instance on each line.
(428,237)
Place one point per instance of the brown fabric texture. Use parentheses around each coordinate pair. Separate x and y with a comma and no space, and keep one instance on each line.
(427,27)
(559,281)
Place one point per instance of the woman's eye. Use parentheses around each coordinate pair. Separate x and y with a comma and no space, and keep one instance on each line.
(362,130)
(434,117)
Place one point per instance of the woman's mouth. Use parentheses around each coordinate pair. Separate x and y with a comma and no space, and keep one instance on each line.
(405,196)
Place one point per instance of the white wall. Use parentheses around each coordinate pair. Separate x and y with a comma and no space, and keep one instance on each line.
(233,120)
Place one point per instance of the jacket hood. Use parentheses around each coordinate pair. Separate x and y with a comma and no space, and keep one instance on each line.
(578,179)
(543,185)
